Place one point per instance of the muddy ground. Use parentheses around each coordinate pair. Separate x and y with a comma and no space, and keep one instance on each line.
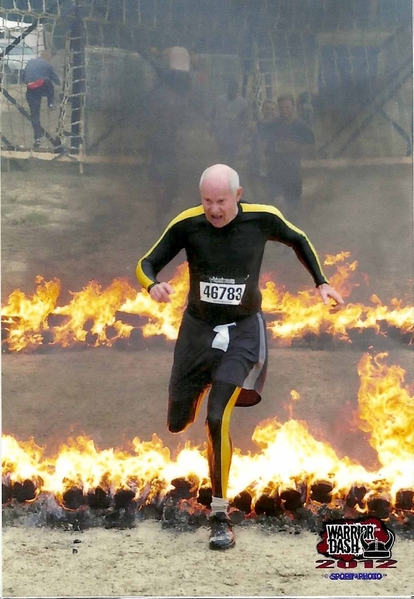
(57,223)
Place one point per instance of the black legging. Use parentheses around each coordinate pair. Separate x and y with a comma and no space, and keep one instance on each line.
(221,401)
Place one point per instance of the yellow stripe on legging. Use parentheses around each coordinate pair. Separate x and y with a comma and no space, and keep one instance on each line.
(226,446)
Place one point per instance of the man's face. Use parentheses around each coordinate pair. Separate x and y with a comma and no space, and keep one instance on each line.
(219,203)
(285,110)
(269,111)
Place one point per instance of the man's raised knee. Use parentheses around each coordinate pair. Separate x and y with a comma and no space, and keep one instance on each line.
(175,427)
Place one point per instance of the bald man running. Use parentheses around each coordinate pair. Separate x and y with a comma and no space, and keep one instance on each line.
(221,346)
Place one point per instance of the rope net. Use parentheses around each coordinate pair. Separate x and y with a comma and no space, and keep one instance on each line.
(347,64)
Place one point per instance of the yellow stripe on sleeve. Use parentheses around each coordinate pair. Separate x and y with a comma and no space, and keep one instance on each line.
(273,210)
(190,213)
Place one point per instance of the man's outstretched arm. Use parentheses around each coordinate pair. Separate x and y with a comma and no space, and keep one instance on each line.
(148,267)
(287,233)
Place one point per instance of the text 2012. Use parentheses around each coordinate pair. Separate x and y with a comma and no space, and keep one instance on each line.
(368,564)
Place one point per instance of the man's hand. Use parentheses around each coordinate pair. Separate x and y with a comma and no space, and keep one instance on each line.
(161,292)
(326,292)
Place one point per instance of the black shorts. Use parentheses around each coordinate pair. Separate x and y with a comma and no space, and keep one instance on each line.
(236,354)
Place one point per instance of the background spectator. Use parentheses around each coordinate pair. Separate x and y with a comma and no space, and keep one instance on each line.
(282,141)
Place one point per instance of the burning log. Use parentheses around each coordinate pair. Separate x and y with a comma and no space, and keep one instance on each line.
(56,320)
(134,320)
(73,499)
(379,507)
(292,499)
(111,333)
(98,499)
(91,340)
(24,492)
(321,492)
(205,495)
(356,497)
(268,505)
(124,499)
(183,489)
(243,502)
(405,499)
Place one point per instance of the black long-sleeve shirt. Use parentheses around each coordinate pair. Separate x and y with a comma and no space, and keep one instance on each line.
(224,262)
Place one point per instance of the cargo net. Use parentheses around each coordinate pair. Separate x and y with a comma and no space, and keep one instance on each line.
(49,30)
(347,65)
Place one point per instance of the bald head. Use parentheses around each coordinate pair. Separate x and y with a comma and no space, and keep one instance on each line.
(221,174)
(220,193)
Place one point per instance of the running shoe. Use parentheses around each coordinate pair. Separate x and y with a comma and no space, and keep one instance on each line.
(221,533)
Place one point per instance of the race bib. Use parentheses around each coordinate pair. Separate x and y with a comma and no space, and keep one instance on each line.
(222,293)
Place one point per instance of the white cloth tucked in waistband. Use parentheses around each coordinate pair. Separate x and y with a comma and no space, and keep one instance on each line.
(222,339)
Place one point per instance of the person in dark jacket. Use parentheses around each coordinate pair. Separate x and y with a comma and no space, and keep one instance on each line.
(282,142)
(39,77)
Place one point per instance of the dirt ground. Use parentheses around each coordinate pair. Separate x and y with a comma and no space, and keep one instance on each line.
(57,223)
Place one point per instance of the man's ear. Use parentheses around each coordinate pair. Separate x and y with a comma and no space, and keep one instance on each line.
(239,193)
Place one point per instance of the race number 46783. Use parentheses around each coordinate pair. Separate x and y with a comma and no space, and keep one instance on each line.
(224,293)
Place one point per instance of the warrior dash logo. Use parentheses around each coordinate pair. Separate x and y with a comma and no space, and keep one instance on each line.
(362,539)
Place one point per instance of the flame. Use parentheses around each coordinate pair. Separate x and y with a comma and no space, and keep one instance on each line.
(386,411)
(302,314)
(97,316)
(96,305)
(288,454)
(164,319)
(27,317)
